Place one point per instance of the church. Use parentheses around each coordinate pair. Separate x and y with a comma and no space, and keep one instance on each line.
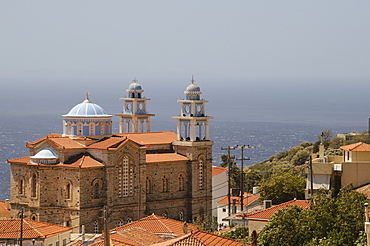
(69,178)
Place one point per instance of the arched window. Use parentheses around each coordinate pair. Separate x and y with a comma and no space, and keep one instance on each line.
(68,191)
(181,182)
(201,170)
(96,190)
(148,186)
(33,185)
(33,217)
(181,215)
(164,184)
(164,214)
(21,186)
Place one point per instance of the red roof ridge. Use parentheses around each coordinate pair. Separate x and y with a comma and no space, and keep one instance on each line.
(37,231)
(360,146)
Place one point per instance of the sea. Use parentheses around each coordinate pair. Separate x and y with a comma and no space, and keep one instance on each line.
(271,120)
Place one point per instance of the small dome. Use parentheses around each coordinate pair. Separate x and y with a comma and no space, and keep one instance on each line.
(134,87)
(45,154)
(193,88)
(87,109)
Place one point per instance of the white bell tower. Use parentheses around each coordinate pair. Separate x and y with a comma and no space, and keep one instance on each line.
(134,117)
(193,123)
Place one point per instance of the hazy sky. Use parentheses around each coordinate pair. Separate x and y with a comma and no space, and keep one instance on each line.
(176,38)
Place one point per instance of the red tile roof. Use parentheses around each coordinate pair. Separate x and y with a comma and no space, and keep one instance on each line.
(10,228)
(164,157)
(358,147)
(248,199)
(218,170)
(201,238)
(149,138)
(158,225)
(364,190)
(83,162)
(266,214)
(3,207)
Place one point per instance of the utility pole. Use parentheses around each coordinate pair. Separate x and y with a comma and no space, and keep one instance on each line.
(106,229)
(21,236)
(229,177)
(242,159)
(311,176)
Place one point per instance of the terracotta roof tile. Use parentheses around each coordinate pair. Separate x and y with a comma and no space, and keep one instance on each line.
(148,138)
(266,214)
(3,207)
(111,142)
(158,225)
(84,162)
(364,190)
(358,147)
(164,157)
(9,228)
(201,238)
(218,170)
(248,199)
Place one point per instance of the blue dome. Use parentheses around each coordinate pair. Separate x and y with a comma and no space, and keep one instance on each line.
(193,88)
(45,154)
(135,87)
(87,109)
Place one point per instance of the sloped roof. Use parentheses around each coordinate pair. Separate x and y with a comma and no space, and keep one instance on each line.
(10,228)
(358,147)
(84,161)
(247,200)
(200,238)
(218,170)
(158,225)
(365,189)
(266,214)
(3,207)
(164,157)
(150,138)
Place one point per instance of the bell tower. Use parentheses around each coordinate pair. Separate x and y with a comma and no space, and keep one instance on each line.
(134,117)
(193,142)
(193,123)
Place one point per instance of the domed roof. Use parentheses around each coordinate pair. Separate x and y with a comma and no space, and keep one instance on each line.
(87,109)
(45,154)
(193,88)
(134,87)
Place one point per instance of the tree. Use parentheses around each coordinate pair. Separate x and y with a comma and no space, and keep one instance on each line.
(329,221)
(283,187)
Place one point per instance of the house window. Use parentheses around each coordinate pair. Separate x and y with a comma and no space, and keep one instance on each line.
(33,185)
(64,242)
(164,184)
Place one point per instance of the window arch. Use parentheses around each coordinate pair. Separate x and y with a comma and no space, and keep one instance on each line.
(33,185)
(34,217)
(68,190)
(181,180)
(21,185)
(148,185)
(164,183)
(97,188)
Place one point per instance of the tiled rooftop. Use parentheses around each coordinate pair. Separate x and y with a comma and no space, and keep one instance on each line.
(248,199)
(9,228)
(158,225)
(149,138)
(164,157)
(3,207)
(359,147)
(266,214)
(200,238)
(365,189)
(218,170)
